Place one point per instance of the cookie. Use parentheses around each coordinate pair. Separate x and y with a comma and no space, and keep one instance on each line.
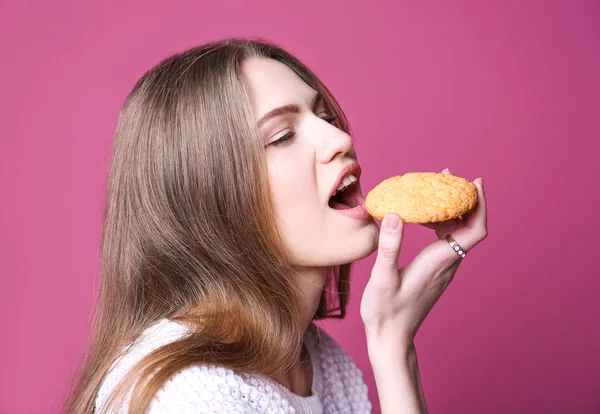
(422,197)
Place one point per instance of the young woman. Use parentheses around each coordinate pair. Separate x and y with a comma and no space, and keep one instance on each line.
(221,245)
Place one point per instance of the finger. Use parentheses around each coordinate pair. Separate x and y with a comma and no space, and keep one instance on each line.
(477,218)
(446,171)
(475,228)
(444,227)
(447,227)
(390,242)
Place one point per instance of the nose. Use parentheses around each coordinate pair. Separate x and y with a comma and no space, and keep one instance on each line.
(334,141)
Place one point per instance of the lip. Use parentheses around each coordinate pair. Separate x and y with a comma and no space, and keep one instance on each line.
(359,212)
(353,169)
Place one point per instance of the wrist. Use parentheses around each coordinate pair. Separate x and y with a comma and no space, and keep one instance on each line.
(396,373)
(386,349)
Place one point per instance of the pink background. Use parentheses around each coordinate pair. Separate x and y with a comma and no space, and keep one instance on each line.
(502,90)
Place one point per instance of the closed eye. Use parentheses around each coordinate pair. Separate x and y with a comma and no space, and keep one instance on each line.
(283,139)
(330,119)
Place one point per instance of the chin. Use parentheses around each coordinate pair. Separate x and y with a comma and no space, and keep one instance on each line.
(348,248)
(360,246)
(365,251)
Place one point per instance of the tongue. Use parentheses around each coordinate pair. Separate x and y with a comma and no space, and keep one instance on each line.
(348,199)
(338,206)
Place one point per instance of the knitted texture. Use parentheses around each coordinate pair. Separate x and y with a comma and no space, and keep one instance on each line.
(337,385)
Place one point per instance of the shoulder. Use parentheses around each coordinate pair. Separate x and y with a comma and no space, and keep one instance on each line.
(211,389)
(155,336)
(197,389)
(203,389)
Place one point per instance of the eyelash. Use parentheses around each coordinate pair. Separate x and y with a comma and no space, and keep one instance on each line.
(331,119)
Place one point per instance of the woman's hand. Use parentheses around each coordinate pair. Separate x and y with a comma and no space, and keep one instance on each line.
(396,301)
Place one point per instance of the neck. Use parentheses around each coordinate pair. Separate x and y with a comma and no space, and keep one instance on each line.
(311,282)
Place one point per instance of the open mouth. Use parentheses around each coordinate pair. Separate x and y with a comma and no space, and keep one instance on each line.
(345,199)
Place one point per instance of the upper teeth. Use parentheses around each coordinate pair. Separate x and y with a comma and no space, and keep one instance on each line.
(346,182)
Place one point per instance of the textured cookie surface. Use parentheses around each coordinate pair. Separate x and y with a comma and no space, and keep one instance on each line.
(422,197)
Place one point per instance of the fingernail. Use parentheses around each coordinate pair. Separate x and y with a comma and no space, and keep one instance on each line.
(391,222)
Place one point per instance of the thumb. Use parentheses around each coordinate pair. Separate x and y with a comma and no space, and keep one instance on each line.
(390,241)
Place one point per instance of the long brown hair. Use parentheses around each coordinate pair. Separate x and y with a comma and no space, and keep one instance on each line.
(189,231)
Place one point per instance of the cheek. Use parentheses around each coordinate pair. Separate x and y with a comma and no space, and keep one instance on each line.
(295,201)
(294,189)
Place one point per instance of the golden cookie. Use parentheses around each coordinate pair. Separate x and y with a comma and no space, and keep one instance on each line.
(422,197)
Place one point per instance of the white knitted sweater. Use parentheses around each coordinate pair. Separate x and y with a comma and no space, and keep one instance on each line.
(337,384)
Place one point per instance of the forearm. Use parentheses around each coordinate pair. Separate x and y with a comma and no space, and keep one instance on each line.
(397,379)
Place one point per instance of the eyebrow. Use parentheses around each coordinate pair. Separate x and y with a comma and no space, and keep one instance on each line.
(288,109)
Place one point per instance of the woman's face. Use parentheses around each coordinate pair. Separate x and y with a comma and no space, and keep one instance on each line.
(305,168)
